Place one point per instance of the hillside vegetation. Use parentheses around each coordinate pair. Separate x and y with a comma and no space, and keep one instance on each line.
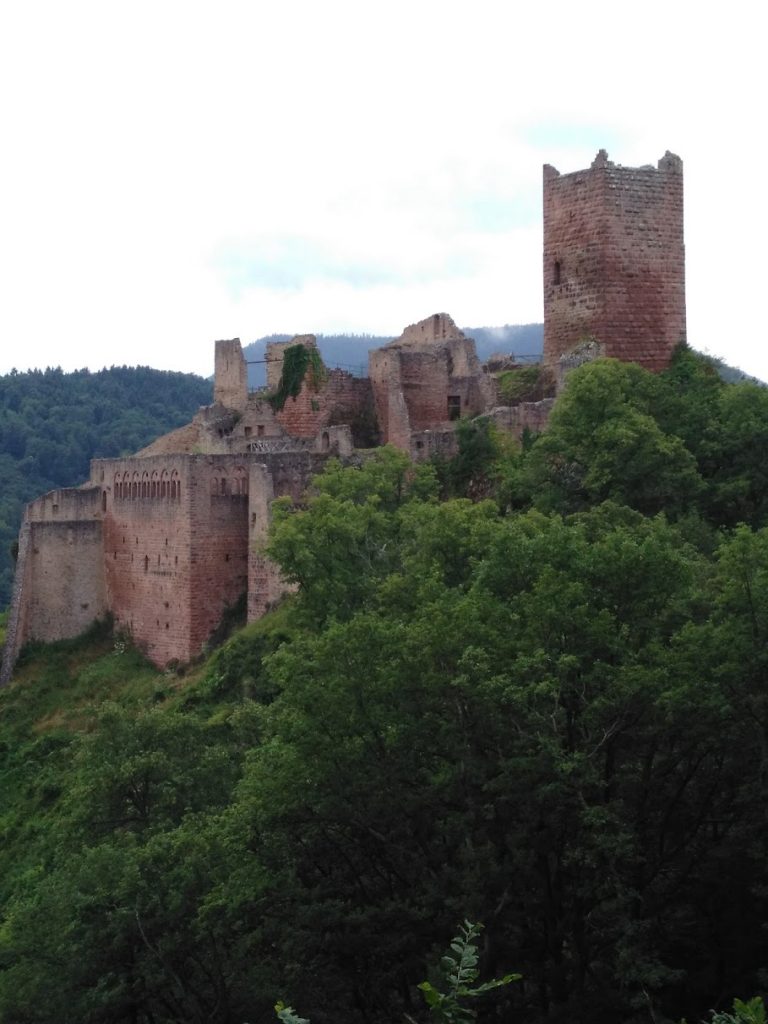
(524,687)
(53,423)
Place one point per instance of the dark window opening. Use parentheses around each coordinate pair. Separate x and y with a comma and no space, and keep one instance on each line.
(103,501)
(248,431)
(146,563)
(557,272)
(260,430)
(454,407)
(326,441)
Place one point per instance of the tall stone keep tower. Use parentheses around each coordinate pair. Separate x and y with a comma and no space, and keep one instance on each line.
(614,261)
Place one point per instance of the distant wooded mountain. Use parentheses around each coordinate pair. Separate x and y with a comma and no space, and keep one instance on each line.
(350,351)
(53,423)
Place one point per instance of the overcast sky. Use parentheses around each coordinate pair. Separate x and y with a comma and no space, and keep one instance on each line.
(172,173)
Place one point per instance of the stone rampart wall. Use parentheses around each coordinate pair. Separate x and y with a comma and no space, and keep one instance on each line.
(59,585)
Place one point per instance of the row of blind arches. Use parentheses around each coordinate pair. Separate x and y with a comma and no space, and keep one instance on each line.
(230,485)
(163,486)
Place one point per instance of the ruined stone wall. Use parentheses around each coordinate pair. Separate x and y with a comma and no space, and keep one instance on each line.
(147,552)
(614,260)
(425,382)
(218,542)
(176,548)
(66,590)
(275,474)
(389,400)
(265,585)
(438,327)
(59,585)
(341,398)
(230,387)
(275,353)
(428,444)
(426,378)
(515,419)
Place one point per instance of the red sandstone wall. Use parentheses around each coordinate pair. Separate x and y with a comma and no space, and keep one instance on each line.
(617,235)
(59,586)
(147,540)
(176,548)
(424,379)
(218,541)
(274,475)
(389,400)
(532,416)
(264,583)
(65,589)
(230,387)
(339,399)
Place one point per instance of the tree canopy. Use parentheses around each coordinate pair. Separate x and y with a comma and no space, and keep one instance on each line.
(525,688)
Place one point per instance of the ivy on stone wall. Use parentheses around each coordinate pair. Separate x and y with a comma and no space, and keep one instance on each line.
(299,362)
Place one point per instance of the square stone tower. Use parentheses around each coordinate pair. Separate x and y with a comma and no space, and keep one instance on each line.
(614,261)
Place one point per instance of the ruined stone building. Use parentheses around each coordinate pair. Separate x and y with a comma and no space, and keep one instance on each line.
(167,539)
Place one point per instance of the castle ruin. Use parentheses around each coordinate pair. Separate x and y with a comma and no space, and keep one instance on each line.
(166,540)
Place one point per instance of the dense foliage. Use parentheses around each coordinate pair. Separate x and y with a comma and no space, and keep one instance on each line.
(53,423)
(543,707)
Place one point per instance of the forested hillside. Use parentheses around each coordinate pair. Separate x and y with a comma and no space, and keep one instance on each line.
(53,423)
(526,687)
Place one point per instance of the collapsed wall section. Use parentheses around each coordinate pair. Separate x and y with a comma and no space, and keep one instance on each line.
(614,261)
(338,398)
(230,387)
(425,379)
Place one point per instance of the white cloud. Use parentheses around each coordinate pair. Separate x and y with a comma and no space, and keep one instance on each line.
(388,157)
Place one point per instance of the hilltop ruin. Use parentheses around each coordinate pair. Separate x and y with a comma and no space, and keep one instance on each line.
(166,540)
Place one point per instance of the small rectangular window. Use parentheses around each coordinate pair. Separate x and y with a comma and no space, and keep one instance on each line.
(454,407)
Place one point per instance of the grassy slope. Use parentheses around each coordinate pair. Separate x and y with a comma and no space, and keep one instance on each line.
(55,695)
